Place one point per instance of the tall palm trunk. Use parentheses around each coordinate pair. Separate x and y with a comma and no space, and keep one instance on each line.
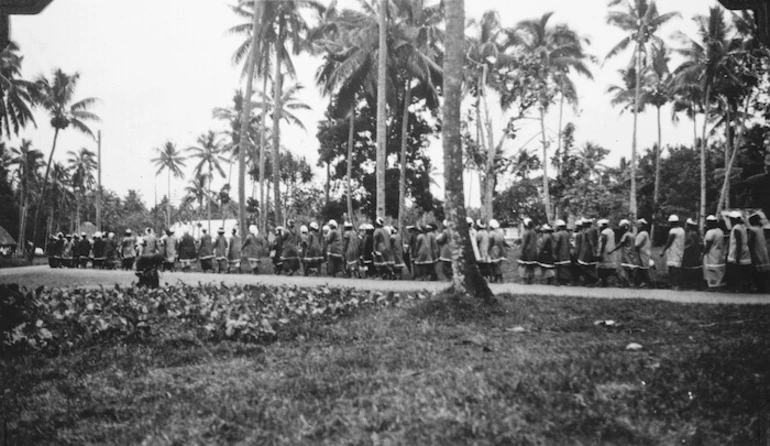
(656,188)
(246,114)
(729,148)
(168,201)
(42,193)
(262,143)
(466,277)
(703,145)
(402,159)
(277,108)
(483,178)
(489,190)
(726,182)
(638,74)
(349,173)
(546,188)
(559,156)
(382,136)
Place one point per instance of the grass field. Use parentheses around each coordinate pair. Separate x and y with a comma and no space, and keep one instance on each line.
(437,371)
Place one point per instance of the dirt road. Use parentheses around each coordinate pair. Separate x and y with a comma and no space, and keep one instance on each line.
(34,276)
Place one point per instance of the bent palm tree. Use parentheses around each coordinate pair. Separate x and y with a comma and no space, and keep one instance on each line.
(15,94)
(57,97)
(82,165)
(28,160)
(170,160)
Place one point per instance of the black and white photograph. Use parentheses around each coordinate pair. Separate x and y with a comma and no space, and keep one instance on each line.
(385,222)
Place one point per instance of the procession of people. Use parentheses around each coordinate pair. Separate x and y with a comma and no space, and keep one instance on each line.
(591,253)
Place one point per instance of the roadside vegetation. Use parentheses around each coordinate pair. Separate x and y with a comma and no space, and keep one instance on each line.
(344,367)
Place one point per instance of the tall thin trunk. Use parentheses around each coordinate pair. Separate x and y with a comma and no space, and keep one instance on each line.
(729,148)
(246,114)
(327,186)
(703,145)
(42,194)
(466,277)
(382,136)
(99,181)
(558,156)
(632,200)
(349,173)
(263,197)
(168,201)
(277,108)
(656,187)
(489,190)
(739,140)
(546,188)
(402,158)
(483,177)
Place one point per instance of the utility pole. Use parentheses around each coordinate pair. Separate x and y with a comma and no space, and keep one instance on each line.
(99,181)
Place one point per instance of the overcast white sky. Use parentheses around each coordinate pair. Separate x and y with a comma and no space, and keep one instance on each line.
(160,66)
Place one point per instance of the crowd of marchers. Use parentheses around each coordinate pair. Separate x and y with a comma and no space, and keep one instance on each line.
(592,253)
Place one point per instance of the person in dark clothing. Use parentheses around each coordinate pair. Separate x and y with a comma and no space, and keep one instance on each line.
(277,250)
(110,251)
(98,251)
(186,249)
(84,250)
(692,259)
(528,256)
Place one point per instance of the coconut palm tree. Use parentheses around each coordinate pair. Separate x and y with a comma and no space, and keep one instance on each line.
(382,72)
(417,41)
(560,51)
(208,153)
(641,21)
(28,161)
(485,47)
(57,97)
(60,197)
(658,91)
(15,94)
(466,278)
(707,59)
(81,166)
(172,161)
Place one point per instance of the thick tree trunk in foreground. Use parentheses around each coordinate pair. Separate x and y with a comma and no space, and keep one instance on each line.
(381,92)
(467,278)
(245,115)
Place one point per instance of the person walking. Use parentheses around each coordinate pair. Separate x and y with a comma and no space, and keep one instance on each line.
(738,254)
(313,256)
(186,248)
(482,240)
(424,259)
(367,249)
(334,254)
(642,247)
(170,250)
(383,257)
(220,251)
(253,249)
(150,243)
(587,254)
(608,258)
(84,250)
(351,247)
(206,252)
(445,252)
(397,247)
(234,253)
(98,251)
(290,253)
(545,254)
(692,259)
(127,250)
(110,251)
(497,250)
(674,251)
(760,260)
(277,250)
(626,257)
(714,254)
(528,257)
(562,254)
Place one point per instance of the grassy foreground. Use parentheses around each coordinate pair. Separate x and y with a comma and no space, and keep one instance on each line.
(436,371)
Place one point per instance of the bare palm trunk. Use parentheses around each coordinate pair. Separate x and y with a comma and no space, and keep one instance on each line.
(349,173)
(489,186)
(277,108)
(546,189)
(381,110)
(402,159)
(703,145)
(42,194)
(262,143)
(466,276)
(559,137)
(168,201)
(729,149)
(327,187)
(246,113)
(632,200)
(656,190)
(726,182)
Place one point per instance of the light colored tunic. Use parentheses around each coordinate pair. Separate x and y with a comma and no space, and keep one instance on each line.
(676,250)
(609,261)
(474,243)
(714,258)
(642,246)
(744,257)
(169,246)
(482,239)
(627,259)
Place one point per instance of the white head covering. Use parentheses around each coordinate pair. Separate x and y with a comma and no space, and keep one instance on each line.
(690,221)
(559,223)
(313,225)
(546,227)
(469,220)
(624,222)
(673,218)
(735,214)
(641,221)
(494,224)
(711,218)
(348,224)
(333,224)
(325,229)
(303,229)
(480,224)
(97,234)
(603,222)
(253,230)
